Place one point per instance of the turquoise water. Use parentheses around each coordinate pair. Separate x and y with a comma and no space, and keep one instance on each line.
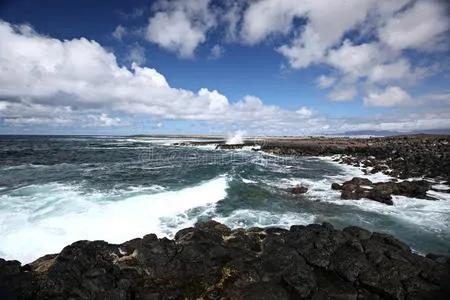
(56,190)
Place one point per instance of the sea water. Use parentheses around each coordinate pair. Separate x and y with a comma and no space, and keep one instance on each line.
(56,190)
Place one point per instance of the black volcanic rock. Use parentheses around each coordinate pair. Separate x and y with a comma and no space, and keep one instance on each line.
(230,146)
(210,261)
(399,156)
(299,189)
(358,188)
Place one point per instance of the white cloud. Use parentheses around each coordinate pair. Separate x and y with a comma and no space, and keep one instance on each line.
(217,51)
(103,120)
(355,60)
(343,93)
(325,82)
(304,112)
(74,79)
(231,16)
(305,50)
(326,23)
(387,72)
(420,27)
(180,26)
(372,55)
(136,54)
(266,17)
(392,96)
(76,82)
(119,32)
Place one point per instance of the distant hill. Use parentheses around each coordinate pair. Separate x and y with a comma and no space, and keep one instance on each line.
(392,133)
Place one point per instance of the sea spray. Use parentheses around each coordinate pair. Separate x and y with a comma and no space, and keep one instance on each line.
(236,138)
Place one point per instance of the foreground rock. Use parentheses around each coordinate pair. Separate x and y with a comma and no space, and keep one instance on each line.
(211,261)
(358,188)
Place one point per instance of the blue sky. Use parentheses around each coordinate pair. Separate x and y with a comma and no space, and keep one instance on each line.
(202,66)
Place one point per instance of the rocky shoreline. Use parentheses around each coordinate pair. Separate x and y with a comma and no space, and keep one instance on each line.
(210,261)
(400,156)
(426,157)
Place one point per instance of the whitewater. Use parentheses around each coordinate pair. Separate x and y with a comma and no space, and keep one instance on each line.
(58,190)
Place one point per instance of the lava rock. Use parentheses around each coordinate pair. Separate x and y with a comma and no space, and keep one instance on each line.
(210,261)
(358,188)
(299,190)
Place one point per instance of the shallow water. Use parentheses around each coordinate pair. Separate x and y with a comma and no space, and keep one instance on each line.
(57,190)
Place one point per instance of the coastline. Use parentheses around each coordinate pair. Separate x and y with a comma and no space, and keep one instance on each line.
(83,269)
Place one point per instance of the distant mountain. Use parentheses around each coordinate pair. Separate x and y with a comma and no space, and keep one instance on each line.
(392,133)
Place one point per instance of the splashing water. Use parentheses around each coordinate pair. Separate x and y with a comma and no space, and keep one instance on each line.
(237,138)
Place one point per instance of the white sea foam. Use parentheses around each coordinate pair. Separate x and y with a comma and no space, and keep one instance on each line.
(53,216)
(433,216)
(259,218)
(248,181)
(205,146)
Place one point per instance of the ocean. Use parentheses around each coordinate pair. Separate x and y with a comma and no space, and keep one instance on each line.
(55,190)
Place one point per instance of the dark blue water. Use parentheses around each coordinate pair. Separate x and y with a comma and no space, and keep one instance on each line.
(56,190)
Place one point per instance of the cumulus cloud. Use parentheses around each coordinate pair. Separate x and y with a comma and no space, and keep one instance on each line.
(78,77)
(180,26)
(326,24)
(420,27)
(263,18)
(352,59)
(63,82)
(318,32)
(391,96)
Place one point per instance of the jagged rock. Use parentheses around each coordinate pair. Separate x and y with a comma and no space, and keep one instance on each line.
(358,188)
(299,189)
(336,186)
(210,261)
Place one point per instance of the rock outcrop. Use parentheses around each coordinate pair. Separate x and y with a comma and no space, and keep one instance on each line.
(210,261)
(358,188)
(299,189)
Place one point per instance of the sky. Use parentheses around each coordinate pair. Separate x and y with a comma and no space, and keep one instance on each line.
(262,67)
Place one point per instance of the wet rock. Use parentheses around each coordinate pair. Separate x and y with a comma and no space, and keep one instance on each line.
(210,261)
(299,190)
(336,186)
(230,146)
(358,188)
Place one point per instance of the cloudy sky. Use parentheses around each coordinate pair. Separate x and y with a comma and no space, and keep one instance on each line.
(288,67)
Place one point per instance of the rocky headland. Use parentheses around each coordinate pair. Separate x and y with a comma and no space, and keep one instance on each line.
(210,261)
